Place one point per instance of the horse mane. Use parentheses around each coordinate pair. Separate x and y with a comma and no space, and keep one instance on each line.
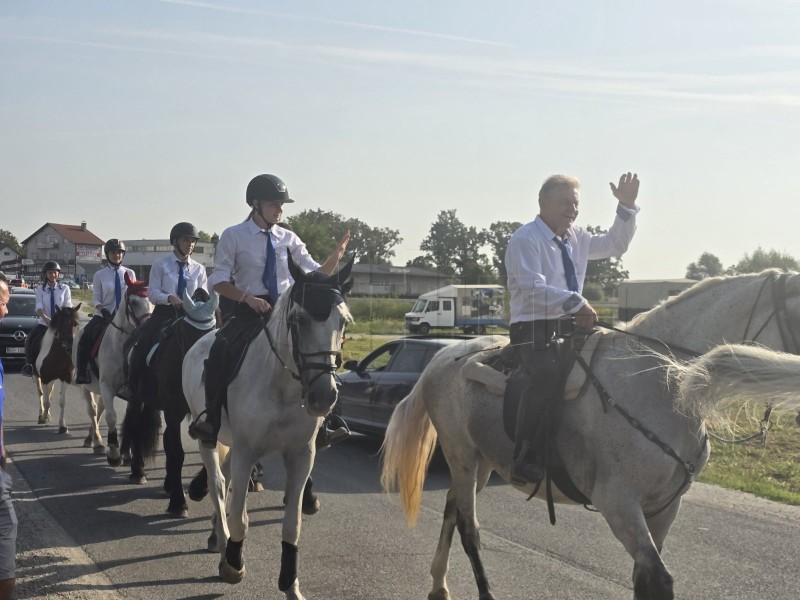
(698,288)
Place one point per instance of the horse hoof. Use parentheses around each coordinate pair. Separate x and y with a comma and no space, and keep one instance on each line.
(63,429)
(255,486)
(196,493)
(99,450)
(178,512)
(211,545)
(42,420)
(312,507)
(114,461)
(126,460)
(229,574)
(440,594)
(87,443)
(138,478)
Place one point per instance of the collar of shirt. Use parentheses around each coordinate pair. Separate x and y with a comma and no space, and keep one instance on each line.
(548,233)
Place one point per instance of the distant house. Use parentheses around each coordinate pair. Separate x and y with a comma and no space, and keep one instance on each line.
(77,250)
(141,254)
(9,261)
(387,280)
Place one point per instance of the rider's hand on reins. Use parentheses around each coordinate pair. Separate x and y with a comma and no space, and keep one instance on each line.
(585,317)
(257,304)
(175,301)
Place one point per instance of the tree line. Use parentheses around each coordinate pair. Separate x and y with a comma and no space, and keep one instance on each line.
(708,265)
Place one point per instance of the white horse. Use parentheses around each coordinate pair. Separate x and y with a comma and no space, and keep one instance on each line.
(53,364)
(630,443)
(276,403)
(133,309)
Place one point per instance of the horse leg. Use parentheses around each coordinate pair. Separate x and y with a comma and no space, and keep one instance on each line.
(441,560)
(659,526)
(652,580)
(107,393)
(173,448)
(298,469)
(62,404)
(94,439)
(140,433)
(231,566)
(198,488)
(218,485)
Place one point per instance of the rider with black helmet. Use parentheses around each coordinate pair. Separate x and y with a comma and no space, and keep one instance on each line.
(50,295)
(108,289)
(170,276)
(261,274)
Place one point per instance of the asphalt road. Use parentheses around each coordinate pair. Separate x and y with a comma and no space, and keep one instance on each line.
(86,533)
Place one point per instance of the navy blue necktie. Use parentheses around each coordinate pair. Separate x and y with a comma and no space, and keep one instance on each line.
(117,290)
(569,265)
(270,276)
(52,302)
(181,280)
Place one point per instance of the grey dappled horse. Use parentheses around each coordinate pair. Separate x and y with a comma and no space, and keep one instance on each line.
(133,309)
(633,481)
(285,386)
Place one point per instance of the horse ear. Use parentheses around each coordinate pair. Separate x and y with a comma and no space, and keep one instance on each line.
(347,287)
(295,271)
(77,308)
(344,272)
(187,299)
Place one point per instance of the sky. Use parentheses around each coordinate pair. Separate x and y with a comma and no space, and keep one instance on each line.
(133,115)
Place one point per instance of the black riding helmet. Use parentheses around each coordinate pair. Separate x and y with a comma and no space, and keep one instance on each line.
(50,265)
(267,188)
(183,229)
(114,245)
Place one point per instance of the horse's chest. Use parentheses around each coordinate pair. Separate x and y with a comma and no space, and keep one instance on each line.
(57,364)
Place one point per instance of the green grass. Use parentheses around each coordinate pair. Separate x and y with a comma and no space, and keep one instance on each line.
(771,471)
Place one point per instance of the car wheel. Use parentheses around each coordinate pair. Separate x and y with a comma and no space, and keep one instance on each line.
(424,328)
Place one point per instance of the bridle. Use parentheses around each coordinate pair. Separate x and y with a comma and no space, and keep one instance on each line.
(130,315)
(64,339)
(303,361)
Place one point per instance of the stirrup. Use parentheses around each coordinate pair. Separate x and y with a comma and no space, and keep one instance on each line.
(27,370)
(327,437)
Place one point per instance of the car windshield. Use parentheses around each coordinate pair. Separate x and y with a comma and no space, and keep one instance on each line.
(22,306)
(419,306)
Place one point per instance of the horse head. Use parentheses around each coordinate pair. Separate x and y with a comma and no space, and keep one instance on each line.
(64,325)
(137,306)
(317,314)
(200,309)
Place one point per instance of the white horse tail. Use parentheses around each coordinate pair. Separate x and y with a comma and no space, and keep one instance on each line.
(733,372)
(407,450)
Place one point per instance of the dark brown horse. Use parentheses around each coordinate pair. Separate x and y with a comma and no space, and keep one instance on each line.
(162,390)
(54,362)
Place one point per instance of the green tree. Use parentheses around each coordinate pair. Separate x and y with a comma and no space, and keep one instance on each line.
(707,265)
(455,250)
(422,262)
(497,237)
(605,272)
(764,259)
(322,230)
(203,236)
(9,239)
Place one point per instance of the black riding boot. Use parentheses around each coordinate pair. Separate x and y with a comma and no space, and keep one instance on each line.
(82,373)
(527,467)
(206,426)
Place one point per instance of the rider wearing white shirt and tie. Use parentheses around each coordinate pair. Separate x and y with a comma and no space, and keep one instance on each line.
(254,255)
(50,296)
(170,276)
(108,289)
(546,262)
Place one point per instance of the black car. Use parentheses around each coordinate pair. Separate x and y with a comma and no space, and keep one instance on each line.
(372,387)
(17,324)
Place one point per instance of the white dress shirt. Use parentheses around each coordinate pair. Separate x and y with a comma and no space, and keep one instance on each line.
(103,286)
(163,279)
(242,255)
(63,297)
(535,268)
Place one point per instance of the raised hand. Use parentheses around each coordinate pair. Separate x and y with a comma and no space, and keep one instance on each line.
(626,190)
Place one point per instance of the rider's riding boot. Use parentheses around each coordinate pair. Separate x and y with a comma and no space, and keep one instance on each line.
(204,431)
(27,370)
(332,431)
(83,376)
(526,467)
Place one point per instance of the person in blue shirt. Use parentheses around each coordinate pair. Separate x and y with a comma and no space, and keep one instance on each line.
(8,518)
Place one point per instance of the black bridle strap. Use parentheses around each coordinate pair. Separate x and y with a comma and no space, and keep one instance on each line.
(669,346)
(788,336)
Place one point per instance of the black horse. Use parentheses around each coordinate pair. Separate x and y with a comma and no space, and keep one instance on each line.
(162,390)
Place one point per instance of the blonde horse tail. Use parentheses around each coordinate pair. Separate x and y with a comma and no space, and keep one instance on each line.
(407,450)
(733,372)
